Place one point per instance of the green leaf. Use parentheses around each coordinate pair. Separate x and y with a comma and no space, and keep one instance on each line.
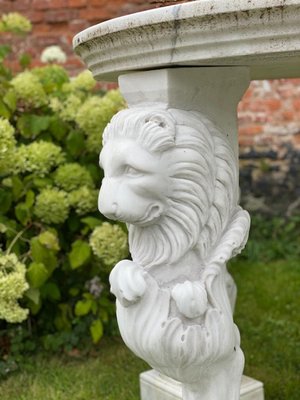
(37,274)
(25,60)
(73,291)
(23,214)
(41,254)
(96,329)
(80,254)
(33,295)
(23,210)
(94,307)
(91,222)
(5,200)
(4,51)
(103,314)
(3,228)
(11,226)
(83,307)
(96,172)
(73,222)
(75,143)
(62,321)
(10,99)
(30,125)
(4,111)
(58,128)
(51,291)
(29,200)
(41,183)
(34,301)
(17,187)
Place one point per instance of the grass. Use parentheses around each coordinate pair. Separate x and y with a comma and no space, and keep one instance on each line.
(111,374)
(267,314)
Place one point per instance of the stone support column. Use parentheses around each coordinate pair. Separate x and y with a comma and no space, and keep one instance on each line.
(171,173)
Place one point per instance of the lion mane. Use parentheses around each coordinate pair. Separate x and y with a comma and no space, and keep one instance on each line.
(203,172)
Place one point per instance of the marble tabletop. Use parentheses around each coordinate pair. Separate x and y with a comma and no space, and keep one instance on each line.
(262,34)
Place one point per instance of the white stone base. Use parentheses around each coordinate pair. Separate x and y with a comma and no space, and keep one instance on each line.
(155,386)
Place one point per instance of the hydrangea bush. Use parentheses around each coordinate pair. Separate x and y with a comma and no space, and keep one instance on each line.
(56,250)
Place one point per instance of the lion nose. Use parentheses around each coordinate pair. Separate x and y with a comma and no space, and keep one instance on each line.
(108,209)
(114,207)
(106,205)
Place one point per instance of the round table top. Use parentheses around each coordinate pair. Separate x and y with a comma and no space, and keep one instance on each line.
(261,34)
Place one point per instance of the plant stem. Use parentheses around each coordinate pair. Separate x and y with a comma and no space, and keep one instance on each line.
(15,239)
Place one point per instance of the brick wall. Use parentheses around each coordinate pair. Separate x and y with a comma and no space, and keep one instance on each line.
(269,115)
(269,136)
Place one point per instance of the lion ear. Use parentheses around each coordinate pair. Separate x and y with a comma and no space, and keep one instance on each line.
(161,129)
(161,120)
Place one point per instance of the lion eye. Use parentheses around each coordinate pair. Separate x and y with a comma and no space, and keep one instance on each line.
(130,171)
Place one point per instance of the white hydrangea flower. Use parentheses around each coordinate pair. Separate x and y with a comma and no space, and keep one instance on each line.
(12,287)
(109,243)
(15,22)
(53,54)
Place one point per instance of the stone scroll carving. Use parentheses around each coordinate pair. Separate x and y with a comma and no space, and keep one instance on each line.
(172,176)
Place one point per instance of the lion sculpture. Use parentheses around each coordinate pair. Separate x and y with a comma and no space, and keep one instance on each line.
(171,176)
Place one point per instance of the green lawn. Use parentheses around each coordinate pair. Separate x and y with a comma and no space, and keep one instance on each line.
(267,314)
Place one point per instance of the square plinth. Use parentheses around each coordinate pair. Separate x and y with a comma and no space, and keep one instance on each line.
(155,386)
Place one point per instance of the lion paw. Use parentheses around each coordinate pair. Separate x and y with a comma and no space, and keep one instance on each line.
(190,298)
(127,282)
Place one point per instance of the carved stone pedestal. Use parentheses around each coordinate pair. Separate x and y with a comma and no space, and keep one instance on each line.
(171,173)
(155,386)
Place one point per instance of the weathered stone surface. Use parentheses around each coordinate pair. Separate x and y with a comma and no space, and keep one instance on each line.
(261,34)
(155,386)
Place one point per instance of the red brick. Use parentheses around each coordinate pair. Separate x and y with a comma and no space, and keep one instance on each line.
(288,115)
(78,25)
(286,92)
(34,16)
(245,118)
(99,3)
(77,3)
(260,117)
(250,130)
(296,104)
(294,81)
(55,16)
(248,93)
(243,105)
(48,4)
(256,105)
(19,5)
(48,39)
(95,14)
(245,141)
(40,28)
(6,7)
(272,104)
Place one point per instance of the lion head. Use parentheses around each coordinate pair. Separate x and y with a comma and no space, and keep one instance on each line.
(172,176)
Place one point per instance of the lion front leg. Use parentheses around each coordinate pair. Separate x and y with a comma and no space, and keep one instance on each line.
(127,282)
(190,298)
